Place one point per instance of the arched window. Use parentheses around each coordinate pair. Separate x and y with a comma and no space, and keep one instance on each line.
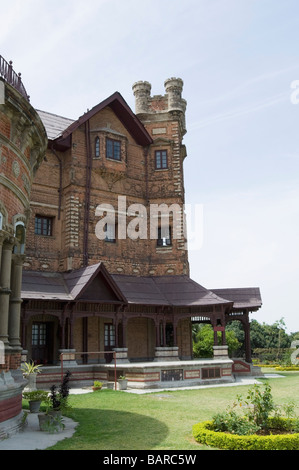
(20,236)
(97,147)
(1,220)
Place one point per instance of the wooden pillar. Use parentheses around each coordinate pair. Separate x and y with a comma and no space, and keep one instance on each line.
(246,324)
(71,331)
(175,324)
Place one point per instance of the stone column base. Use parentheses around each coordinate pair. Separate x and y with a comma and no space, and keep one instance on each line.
(167,353)
(68,357)
(121,355)
(220,352)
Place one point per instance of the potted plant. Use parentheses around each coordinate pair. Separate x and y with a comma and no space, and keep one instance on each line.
(35,398)
(122,382)
(59,399)
(30,371)
(57,404)
(97,385)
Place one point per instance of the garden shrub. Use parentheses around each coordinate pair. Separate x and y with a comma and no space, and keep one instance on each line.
(204,433)
(256,429)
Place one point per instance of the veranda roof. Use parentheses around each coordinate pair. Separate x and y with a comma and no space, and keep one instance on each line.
(95,284)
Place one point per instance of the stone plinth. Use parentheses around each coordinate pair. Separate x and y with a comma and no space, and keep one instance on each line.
(166,353)
(68,357)
(220,352)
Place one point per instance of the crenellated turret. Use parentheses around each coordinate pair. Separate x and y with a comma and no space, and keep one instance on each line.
(149,107)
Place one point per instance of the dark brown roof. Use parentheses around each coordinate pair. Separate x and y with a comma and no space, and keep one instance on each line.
(247,297)
(95,284)
(73,285)
(44,286)
(166,291)
(79,283)
(117,103)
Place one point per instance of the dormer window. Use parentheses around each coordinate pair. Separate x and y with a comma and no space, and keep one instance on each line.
(113,149)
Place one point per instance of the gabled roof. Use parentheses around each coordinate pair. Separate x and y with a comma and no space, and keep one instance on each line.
(90,284)
(80,281)
(95,284)
(124,113)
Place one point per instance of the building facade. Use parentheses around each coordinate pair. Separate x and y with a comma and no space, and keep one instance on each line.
(106,264)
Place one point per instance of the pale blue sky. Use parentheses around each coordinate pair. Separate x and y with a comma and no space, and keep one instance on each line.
(238,59)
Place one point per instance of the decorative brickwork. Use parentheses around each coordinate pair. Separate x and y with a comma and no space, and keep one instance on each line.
(23,144)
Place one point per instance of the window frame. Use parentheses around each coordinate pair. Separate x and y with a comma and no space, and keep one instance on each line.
(44,231)
(97,147)
(110,230)
(161,161)
(163,242)
(115,143)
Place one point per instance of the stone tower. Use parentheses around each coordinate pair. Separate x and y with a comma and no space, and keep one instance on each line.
(164,118)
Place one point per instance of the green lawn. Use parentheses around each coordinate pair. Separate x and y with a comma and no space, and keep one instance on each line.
(110,420)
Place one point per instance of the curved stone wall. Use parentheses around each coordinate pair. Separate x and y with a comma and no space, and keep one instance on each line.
(23,144)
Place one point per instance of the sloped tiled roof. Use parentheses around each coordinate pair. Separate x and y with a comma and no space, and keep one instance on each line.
(55,125)
(246,297)
(44,286)
(176,291)
(166,290)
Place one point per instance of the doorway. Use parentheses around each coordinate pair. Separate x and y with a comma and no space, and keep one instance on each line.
(109,340)
(42,342)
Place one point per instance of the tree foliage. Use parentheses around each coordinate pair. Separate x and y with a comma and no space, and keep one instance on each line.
(203,341)
(262,335)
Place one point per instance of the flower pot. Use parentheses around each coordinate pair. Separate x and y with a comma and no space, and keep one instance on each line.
(50,422)
(31,382)
(122,384)
(34,406)
(43,419)
(55,413)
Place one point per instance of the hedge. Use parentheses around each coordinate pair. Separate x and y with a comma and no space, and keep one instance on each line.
(204,434)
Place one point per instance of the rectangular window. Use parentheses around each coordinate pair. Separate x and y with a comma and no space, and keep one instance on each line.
(161,159)
(109,333)
(210,373)
(113,149)
(110,233)
(97,147)
(43,225)
(164,236)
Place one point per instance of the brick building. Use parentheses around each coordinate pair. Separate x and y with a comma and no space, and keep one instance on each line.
(104,269)
(23,143)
